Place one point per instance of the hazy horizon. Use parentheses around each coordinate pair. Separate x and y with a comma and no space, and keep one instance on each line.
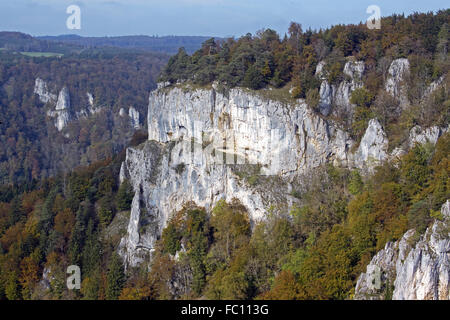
(219,18)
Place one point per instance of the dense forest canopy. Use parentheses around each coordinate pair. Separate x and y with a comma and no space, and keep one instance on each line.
(32,148)
(67,44)
(166,44)
(17,41)
(265,59)
(315,251)
(287,67)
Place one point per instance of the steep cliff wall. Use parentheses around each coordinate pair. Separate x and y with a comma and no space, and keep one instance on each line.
(338,95)
(407,271)
(62,112)
(198,137)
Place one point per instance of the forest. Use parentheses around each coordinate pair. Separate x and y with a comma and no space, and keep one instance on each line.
(166,44)
(286,67)
(50,219)
(32,148)
(68,44)
(316,251)
(264,59)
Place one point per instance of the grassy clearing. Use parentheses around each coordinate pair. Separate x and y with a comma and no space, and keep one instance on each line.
(276,94)
(42,54)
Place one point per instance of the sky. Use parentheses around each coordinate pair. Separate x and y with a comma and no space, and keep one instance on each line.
(220,18)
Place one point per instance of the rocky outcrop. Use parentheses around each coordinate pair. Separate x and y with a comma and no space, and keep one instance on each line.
(92,107)
(421,136)
(283,139)
(134,118)
(326,98)
(434,86)
(199,136)
(60,106)
(418,135)
(165,178)
(339,95)
(394,85)
(320,70)
(353,72)
(161,85)
(407,271)
(62,112)
(90,99)
(47,279)
(41,89)
(325,91)
(373,147)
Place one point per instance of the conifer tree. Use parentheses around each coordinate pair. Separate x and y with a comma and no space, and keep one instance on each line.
(115,278)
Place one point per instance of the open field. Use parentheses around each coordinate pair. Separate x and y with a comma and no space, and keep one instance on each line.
(42,54)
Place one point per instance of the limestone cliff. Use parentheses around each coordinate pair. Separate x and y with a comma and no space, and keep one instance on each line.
(395,85)
(62,112)
(339,95)
(41,89)
(199,138)
(134,118)
(61,109)
(410,271)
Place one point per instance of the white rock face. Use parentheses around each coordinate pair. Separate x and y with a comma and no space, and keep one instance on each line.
(418,135)
(92,108)
(161,85)
(319,70)
(354,71)
(416,272)
(434,86)
(62,111)
(326,98)
(47,279)
(89,110)
(165,178)
(194,133)
(285,139)
(339,95)
(90,99)
(41,89)
(373,147)
(396,154)
(63,102)
(398,69)
(134,118)
(421,136)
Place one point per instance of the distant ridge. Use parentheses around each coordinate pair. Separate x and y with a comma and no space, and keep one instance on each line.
(166,44)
